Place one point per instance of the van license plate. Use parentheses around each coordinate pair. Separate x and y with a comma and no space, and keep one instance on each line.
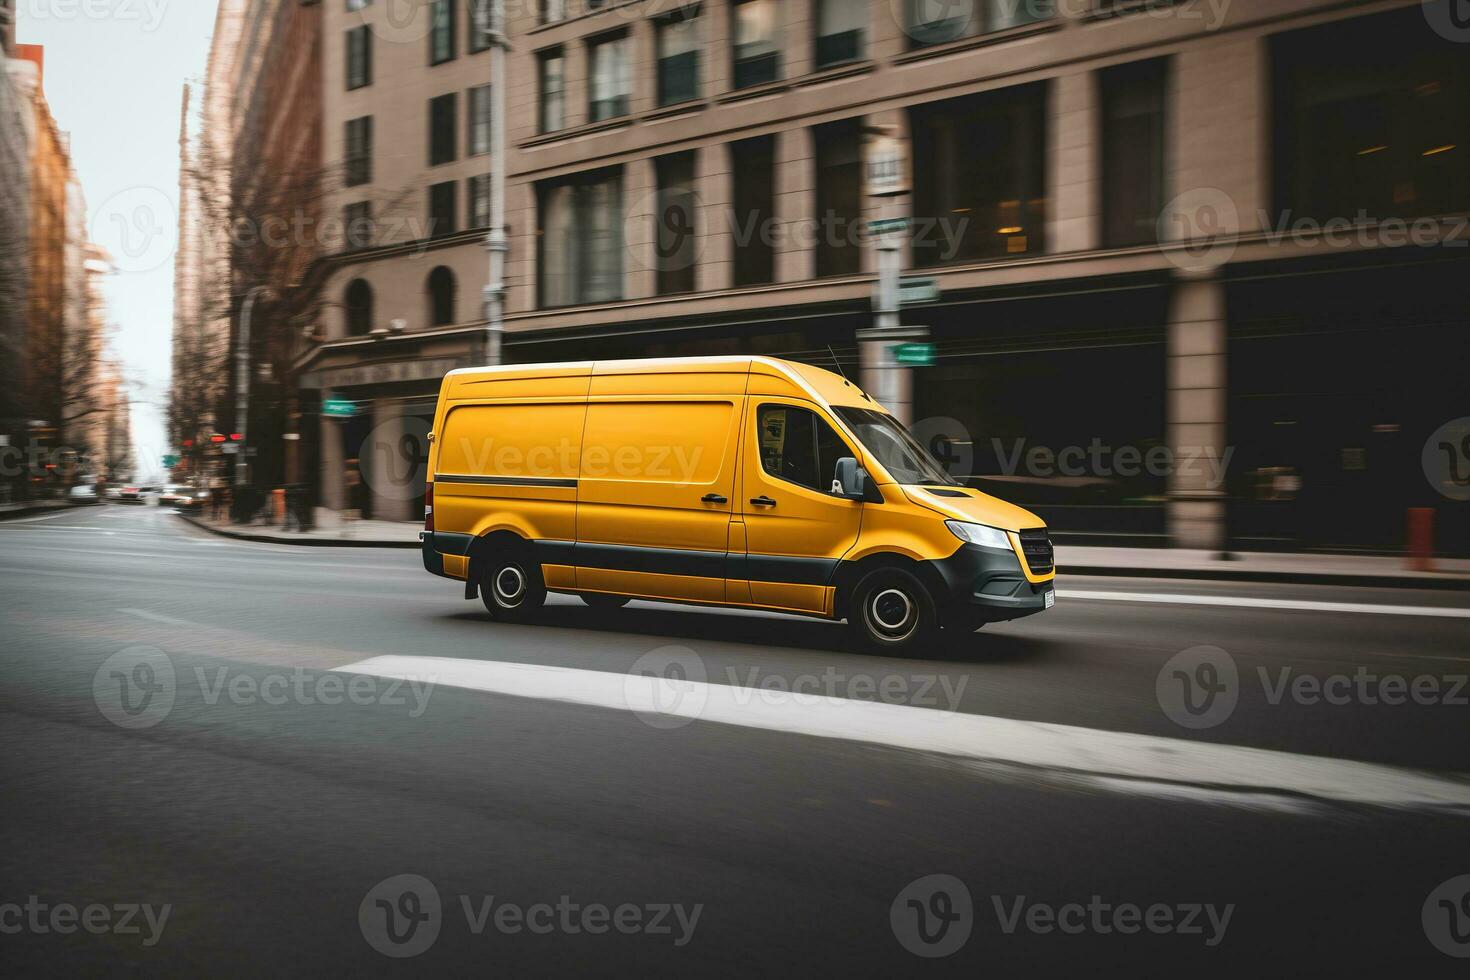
(1051,598)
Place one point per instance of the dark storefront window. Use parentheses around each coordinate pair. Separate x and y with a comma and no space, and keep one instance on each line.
(839,197)
(1372,120)
(979,178)
(674,223)
(1132,152)
(753,164)
(580,239)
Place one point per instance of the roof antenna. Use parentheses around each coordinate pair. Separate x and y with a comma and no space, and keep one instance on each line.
(838,363)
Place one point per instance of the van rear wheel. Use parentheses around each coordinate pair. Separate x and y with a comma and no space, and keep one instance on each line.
(892,612)
(512,588)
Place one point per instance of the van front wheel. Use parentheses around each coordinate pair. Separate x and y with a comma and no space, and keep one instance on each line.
(892,612)
(512,588)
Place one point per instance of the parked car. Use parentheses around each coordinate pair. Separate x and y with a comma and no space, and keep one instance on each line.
(83,493)
(132,495)
(113,493)
(174,495)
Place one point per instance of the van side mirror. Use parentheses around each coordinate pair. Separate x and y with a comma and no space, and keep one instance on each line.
(850,480)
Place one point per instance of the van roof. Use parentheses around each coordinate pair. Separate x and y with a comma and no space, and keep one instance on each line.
(822,384)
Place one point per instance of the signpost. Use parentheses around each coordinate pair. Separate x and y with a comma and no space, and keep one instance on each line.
(170,461)
(914,290)
(914,355)
(338,408)
(888,226)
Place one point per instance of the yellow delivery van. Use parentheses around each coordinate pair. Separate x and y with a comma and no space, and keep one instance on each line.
(720,481)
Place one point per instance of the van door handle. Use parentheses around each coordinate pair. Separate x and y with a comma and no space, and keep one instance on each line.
(763,501)
(714,498)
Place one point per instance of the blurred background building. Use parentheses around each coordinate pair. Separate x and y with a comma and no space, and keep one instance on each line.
(1224,244)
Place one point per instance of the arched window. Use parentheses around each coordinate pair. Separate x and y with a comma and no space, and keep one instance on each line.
(358,304)
(441,297)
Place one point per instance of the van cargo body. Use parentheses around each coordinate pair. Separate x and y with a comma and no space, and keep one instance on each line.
(721,481)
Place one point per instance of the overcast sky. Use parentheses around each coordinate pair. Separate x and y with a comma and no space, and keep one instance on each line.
(115,71)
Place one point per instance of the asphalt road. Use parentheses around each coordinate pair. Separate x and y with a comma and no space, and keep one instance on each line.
(268,807)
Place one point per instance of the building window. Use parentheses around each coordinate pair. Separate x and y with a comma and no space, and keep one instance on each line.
(799,447)
(757,55)
(442,216)
(441,32)
(358,5)
(753,165)
(441,289)
(359,151)
(553,11)
(678,44)
(551,69)
(979,175)
(842,26)
(1132,152)
(357,221)
(480,107)
(611,81)
(477,198)
(359,57)
(1372,120)
(441,130)
(357,307)
(839,197)
(675,239)
(929,22)
(479,22)
(579,253)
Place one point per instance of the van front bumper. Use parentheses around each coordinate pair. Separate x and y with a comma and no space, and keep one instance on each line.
(988,585)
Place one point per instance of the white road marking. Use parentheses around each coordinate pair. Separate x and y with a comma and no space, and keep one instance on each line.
(65,527)
(1124,759)
(156,617)
(1251,602)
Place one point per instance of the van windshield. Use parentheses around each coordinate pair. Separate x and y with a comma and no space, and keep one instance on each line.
(899,452)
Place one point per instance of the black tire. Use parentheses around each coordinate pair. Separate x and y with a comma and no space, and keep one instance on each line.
(601,600)
(511,587)
(892,612)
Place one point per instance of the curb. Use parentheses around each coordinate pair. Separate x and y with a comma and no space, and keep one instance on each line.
(1217,575)
(301,542)
(32,511)
(1346,579)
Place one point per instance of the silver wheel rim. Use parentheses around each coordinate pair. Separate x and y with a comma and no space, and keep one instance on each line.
(510,585)
(891,613)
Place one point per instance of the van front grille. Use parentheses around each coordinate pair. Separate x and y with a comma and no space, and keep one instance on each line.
(1036,545)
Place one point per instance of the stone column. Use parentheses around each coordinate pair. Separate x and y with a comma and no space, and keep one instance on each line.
(713,189)
(796,206)
(1075,169)
(640,190)
(385,477)
(1195,413)
(333,474)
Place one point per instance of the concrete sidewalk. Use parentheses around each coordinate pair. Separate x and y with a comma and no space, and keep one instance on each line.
(26,508)
(1294,568)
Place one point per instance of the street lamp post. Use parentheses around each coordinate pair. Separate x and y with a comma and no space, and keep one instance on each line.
(242,383)
(496,243)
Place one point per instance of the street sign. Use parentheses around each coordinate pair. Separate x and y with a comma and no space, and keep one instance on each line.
(888,226)
(170,461)
(230,447)
(915,290)
(338,408)
(914,355)
(886,165)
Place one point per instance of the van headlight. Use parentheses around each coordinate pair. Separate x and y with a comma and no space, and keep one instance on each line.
(985,537)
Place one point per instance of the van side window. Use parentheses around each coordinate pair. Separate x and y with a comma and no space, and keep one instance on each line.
(799,447)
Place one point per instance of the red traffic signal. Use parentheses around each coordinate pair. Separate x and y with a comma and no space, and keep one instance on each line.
(216,438)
